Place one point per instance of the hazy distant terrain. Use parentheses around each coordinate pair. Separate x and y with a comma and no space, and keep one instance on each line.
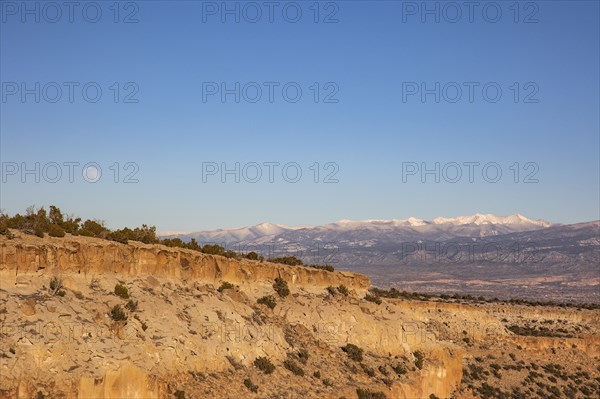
(488,255)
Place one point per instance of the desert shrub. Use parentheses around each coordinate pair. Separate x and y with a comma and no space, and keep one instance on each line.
(383,370)
(326,267)
(367,394)
(118,235)
(327,382)
(55,284)
(354,352)
(95,227)
(351,367)
(400,369)
(488,391)
(387,381)
(85,233)
(144,325)
(4,230)
(254,256)
(38,231)
(537,332)
(78,295)
(56,231)
(287,260)
(225,285)
(303,356)
(61,293)
(193,245)
(179,394)
(250,385)
(317,374)
(230,254)
(264,365)
(331,290)
(281,287)
(432,396)
(117,313)
(173,242)
(342,289)
(293,367)
(368,370)
(268,301)
(121,291)
(419,359)
(213,249)
(373,298)
(131,305)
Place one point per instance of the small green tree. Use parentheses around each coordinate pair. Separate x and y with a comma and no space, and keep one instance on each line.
(373,298)
(55,215)
(55,284)
(303,355)
(342,289)
(225,285)
(41,222)
(117,313)
(293,367)
(56,231)
(193,245)
(250,385)
(95,227)
(38,231)
(281,287)
(400,369)
(287,260)
(131,305)
(419,359)
(264,364)
(354,352)
(367,394)
(121,291)
(268,301)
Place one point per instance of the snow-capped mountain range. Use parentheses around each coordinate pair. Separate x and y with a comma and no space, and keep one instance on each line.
(480,254)
(360,242)
(478,225)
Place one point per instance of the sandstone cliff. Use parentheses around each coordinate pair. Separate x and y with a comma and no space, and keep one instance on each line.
(82,255)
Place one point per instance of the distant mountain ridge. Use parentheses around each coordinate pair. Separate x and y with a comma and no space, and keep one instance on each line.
(480,254)
(485,223)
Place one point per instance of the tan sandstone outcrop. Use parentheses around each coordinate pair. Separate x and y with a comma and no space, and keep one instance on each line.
(88,256)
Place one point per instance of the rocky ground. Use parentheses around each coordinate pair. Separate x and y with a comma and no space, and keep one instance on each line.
(182,333)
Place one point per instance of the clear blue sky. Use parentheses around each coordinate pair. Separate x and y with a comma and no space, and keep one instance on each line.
(368,55)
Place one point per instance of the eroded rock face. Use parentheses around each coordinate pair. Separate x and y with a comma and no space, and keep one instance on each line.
(82,255)
(128,381)
(440,376)
(589,345)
